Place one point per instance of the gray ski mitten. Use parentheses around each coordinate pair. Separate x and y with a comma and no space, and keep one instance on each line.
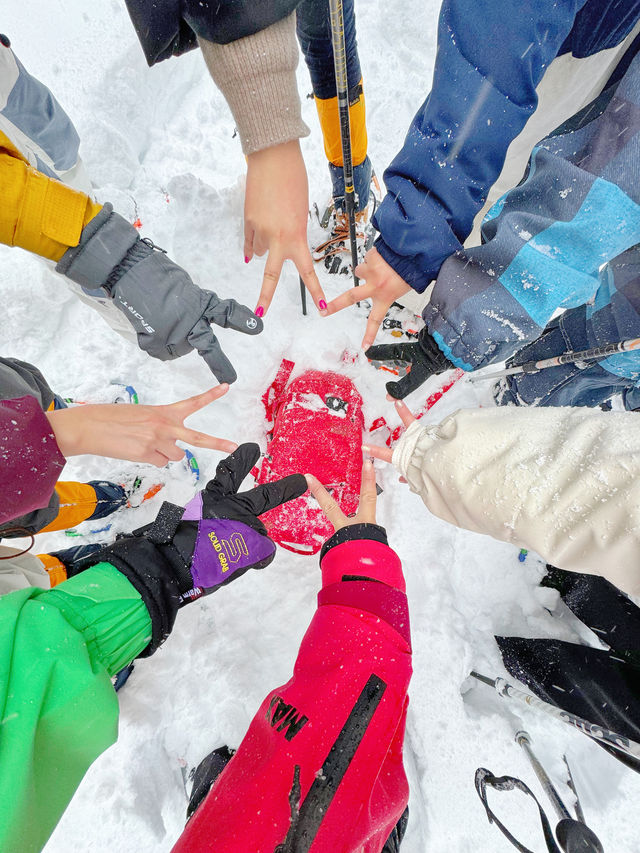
(169,314)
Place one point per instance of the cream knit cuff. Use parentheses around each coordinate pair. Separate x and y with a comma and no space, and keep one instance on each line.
(257,76)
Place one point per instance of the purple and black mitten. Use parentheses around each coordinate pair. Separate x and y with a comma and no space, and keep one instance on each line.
(220,535)
(187,553)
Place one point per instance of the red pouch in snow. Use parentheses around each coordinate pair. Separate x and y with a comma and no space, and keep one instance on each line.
(317,428)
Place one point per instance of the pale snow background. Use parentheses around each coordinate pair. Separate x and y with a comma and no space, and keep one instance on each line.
(158,144)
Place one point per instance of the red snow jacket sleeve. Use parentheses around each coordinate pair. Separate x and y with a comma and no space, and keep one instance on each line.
(30,460)
(321,764)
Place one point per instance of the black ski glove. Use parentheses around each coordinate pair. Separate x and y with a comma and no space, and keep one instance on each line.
(424,358)
(190,552)
(169,313)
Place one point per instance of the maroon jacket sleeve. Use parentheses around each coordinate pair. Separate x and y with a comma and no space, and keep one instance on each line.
(30,460)
(321,765)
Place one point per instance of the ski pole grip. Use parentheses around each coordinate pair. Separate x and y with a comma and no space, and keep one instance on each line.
(576,837)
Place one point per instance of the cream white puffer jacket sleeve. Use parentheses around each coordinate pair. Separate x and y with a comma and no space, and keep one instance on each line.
(564,482)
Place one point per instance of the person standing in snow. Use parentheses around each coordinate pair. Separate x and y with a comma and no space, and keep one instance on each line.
(38,433)
(313,26)
(251,53)
(565,483)
(507,75)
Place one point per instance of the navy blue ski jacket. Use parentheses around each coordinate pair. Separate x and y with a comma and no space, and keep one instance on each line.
(491,56)
(170,27)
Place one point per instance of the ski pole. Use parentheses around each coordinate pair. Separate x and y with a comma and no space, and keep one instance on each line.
(572,785)
(574,835)
(523,739)
(303,297)
(593,354)
(602,735)
(342,87)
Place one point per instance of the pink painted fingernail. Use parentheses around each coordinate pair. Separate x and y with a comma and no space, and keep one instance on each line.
(246,259)
(322,304)
(259,311)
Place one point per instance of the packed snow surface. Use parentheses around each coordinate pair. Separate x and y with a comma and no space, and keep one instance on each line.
(159,145)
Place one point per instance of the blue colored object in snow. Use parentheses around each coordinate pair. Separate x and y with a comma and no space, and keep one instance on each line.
(192,464)
(122,676)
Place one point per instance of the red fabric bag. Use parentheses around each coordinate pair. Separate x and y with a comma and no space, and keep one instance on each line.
(317,426)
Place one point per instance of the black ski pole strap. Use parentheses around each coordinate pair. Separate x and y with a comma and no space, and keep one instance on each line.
(485,777)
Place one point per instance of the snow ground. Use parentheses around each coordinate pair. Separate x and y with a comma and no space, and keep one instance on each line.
(159,145)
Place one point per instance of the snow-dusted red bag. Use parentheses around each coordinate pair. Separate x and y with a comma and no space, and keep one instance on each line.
(317,425)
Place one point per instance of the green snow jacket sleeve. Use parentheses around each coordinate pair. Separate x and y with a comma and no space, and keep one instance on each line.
(564,482)
(58,650)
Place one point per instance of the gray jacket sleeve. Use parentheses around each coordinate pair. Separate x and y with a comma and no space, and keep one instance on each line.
(563,482)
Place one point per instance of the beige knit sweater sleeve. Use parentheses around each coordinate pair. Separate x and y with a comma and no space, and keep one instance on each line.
(257,76)
(563,482)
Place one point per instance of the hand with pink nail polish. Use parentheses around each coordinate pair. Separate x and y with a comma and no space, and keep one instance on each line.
(276,210)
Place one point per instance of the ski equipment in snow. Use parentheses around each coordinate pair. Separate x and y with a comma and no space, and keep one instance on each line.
(615,741)
(317,426)
(342,86)
(333,249)
(574,836)
(205,774)
(569,357)
(116,392)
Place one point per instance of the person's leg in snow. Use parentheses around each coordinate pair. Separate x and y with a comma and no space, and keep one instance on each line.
(314,34)
(80,502)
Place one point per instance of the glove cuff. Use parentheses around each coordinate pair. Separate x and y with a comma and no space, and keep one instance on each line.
(146,567)
(92,261)
(432,354)
(176,540)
